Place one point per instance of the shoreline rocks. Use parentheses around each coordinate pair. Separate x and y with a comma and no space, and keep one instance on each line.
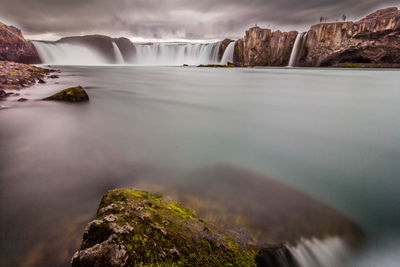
(15,76)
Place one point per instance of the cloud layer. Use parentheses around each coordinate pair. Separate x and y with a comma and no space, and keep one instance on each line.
(186,19)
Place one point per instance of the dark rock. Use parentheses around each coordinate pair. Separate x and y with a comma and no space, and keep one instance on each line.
(41,81)
(103,44)
(128,50)
(54,76)
(14,47)
(185,65)
(73,94)
(223,46)
(22,99)
(2,93)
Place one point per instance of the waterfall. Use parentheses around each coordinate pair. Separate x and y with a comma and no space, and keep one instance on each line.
(228,54)
(329,252)
(297,48)
(119,59)
(68,54)
(177,53)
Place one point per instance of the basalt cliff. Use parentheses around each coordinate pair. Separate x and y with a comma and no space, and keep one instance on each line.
(374,41)
(14,47)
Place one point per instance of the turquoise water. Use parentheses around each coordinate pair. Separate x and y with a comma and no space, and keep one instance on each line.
(333,133)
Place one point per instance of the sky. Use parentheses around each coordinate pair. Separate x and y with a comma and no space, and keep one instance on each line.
(175,19)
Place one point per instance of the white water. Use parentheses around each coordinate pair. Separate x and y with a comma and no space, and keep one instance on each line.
(68,54)
(329,252)
(228,54)
(177,53)
(119,59)
(297,47)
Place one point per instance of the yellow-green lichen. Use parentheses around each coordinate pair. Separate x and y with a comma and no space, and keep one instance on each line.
(169,234)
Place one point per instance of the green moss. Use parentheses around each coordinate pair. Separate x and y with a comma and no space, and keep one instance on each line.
(73,94)
(351,65)
(169,234)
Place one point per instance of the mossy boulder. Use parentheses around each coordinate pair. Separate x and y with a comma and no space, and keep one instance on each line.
(73,94)
(136,228)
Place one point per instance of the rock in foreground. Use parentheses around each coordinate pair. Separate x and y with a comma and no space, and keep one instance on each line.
(135,228)
(73,94)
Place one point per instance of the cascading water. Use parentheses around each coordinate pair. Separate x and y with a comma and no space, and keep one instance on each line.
(297,48)
(119,59)
(177,53)
(228,54)
(329,252)
(68,54)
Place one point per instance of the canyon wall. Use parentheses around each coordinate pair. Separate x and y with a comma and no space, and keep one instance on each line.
(373,41)
(262,47)
(14,47)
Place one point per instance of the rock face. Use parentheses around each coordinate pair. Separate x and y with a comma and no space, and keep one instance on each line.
(103,44)
(14,47)
(262,47)
(135,228)
(73,94)
(374,40)
(223,46)
(127,49)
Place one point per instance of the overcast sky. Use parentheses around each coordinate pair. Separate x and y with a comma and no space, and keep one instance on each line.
(174,19)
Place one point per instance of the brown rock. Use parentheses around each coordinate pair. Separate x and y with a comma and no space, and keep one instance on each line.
(14,47)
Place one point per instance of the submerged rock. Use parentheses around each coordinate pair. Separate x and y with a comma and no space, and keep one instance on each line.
(135,228)
(73,94)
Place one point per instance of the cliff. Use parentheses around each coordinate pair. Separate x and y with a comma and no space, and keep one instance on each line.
(262,47)
(374,40)
(104,45)
(14,47)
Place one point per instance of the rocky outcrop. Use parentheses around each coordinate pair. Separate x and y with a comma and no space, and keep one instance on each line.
(135,228)
(127,49)
(14,47)
(373,41)
(104,45)
(73,94)
(223,46)
(262,47)
(18,75)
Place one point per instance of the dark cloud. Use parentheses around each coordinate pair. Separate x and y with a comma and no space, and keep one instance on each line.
(176,18)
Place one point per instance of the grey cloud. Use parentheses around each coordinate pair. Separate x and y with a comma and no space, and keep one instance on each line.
(176,18)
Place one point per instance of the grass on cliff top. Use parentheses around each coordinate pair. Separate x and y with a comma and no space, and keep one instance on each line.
(168,234)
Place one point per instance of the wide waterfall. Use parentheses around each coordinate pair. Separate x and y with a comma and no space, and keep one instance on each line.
(119,58)
(146,54)
(297,48)
(68,54)
(228,54)
(177,53)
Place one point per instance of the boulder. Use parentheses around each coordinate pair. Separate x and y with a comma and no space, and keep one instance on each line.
(14,47)
(73,94)
(136,228)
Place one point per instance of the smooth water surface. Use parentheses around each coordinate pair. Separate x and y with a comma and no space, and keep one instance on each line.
(332,133)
